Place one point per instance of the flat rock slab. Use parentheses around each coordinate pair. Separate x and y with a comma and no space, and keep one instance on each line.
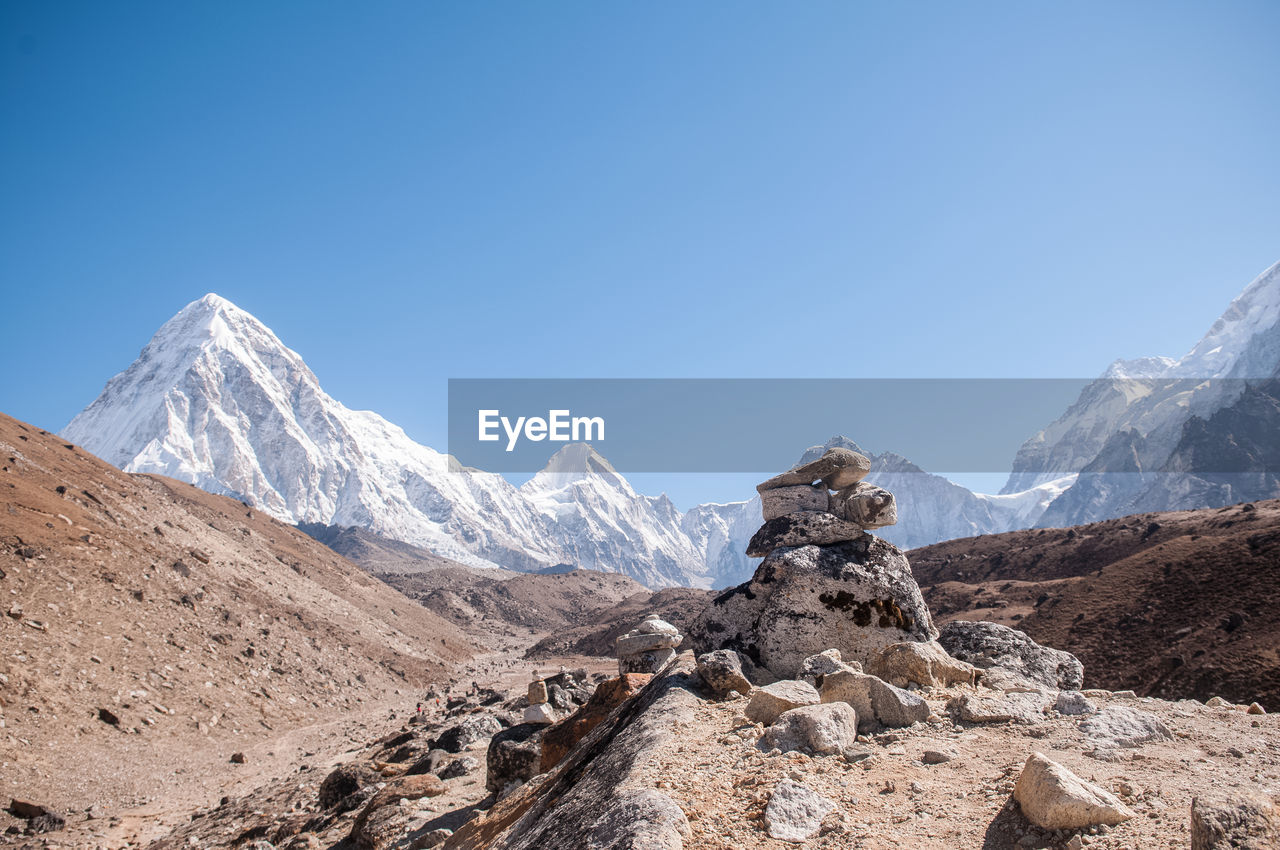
(998,708)
(795,812)
(1121,726)
(1053,797)
(772,700)
(802,528)
(781,501)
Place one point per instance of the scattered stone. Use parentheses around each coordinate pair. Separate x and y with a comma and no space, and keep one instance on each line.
(824,663)
(923,663)
(108,717)
(1003,708)
(722,671)
(1053,797)
(857,597)
(647,648)
(802,528)
(876,702)
(781,501)
(537,692)
(1122,726)
(458,767)
(1217,702)
(989,645)
(1074,703)
(39,818)
(1254,708)
(795,812)
(772,700)
(865,505)
(937,756)
(838,468)
(822,729)
(471,729)
(237,758)
(1245,821)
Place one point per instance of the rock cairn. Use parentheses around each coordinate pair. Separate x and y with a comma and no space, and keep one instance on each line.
(821,503)
(648,648)
(539,711)
(854,590)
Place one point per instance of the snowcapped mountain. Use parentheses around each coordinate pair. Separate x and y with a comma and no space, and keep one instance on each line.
(1134,432)
(601,523)
(216,399)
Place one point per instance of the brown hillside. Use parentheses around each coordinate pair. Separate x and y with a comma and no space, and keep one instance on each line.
(1177,604)
(492,602)
(153,630)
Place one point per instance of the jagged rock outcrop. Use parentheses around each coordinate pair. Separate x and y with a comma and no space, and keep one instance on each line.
(596,797)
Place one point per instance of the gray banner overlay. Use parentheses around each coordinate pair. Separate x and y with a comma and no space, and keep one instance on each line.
(749,425)
(755,425)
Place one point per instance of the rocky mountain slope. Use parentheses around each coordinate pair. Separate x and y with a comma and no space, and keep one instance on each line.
(1139,436)
(377,554)
(152,630)
(218,400)
(1174,604)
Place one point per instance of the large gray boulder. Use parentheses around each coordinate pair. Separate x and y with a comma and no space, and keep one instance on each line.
(988,645)
(858,597)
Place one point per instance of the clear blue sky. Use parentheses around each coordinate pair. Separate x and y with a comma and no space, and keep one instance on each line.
(408,192)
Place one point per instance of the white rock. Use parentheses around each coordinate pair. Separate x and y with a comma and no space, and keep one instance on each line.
(795,812)
(772,700)
(1053,797)
(542,713)
(1074,703)
(822,729)
(1005,708)
(923,663)
(1121,726)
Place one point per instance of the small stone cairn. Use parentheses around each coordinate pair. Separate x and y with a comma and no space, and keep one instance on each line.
(539,710)
(647,648)
(821,503)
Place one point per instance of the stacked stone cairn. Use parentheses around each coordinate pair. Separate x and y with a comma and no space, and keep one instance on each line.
(540,710)
(821,503)
(647,648)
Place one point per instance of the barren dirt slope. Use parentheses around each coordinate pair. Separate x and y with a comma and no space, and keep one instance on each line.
(149,630)
(1176,604)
